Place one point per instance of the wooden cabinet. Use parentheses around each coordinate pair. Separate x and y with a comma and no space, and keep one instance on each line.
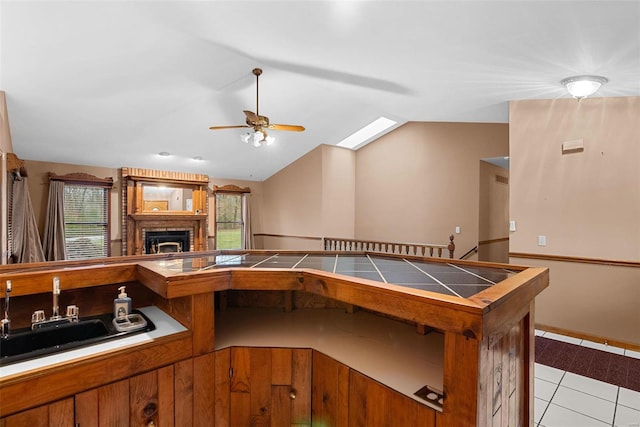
(263,387)
(137,401)
(344,397)
(57,414)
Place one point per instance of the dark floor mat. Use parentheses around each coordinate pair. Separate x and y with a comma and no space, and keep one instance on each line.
(623,371)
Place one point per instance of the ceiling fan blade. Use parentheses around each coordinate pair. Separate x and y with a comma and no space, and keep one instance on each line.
(228,127)
(294,128)
(251,116)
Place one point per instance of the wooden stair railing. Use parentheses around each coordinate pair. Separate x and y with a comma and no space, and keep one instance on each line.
(417,249)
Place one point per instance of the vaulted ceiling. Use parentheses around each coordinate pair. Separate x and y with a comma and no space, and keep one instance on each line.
(113,83)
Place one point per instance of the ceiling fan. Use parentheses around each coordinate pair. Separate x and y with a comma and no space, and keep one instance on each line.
(259,123)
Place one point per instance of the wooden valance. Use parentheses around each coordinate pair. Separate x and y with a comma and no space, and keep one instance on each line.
(138,174)
(230,189)
(80,178)
(14,163)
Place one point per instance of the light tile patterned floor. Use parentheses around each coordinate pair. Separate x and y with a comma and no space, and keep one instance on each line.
(564,399)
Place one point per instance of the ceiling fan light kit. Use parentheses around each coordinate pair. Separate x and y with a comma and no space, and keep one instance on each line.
(258,136)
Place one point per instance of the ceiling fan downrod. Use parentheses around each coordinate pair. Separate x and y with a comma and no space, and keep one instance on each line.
(257,72)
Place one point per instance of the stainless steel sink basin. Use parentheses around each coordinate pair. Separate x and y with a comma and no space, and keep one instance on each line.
(27,344)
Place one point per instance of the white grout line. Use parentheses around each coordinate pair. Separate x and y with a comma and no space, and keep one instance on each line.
(473,274)
(302,259)
(264,260)
(439,282)
(376,267)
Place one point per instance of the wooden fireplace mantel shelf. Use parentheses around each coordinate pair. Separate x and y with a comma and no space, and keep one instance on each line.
(152,216)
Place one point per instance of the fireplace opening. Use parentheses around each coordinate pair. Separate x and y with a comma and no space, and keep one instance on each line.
(158,242)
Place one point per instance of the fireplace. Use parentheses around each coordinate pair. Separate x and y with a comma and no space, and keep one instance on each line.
(166,241)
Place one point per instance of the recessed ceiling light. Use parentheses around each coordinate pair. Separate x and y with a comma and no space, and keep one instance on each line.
(367,133)
(164,154)
(197,158)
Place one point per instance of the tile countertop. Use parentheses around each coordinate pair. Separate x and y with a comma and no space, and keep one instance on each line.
(386,350)
(165,325)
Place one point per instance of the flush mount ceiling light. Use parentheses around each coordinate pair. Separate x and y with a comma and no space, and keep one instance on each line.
(582,86)
(164,154)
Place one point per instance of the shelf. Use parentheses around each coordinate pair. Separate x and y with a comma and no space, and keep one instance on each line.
(386,350)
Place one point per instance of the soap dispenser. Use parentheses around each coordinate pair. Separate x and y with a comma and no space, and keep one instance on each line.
(122,304)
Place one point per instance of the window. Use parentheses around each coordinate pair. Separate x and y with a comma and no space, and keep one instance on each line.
(229,221)
(86,221)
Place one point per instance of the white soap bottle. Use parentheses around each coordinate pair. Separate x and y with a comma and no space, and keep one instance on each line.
(122,304)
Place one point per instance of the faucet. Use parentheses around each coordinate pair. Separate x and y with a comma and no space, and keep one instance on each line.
(5,323)
(38,319)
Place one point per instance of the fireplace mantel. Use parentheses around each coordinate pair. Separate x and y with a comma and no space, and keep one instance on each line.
(167,217)
(139,218)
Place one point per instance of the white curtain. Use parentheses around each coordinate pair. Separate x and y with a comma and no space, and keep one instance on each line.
(53,242)
(246,218)
(25,244)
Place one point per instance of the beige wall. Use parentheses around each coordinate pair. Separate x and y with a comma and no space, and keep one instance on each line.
(587,204)
(310,199)
(494,214)
(417,183)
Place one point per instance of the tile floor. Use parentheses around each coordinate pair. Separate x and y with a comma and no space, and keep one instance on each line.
(564,399)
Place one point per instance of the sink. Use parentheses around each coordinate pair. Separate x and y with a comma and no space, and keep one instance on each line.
(27,344)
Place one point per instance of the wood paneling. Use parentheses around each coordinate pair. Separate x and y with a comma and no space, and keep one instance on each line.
(222,387)
(113,404)
(184,393)
(38,388)
(87,408)
(143,399)
(203,390)
(330,392)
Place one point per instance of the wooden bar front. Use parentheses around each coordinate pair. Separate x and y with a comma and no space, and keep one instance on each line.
(487,352)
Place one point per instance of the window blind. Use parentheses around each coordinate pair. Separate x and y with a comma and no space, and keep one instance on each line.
(86,220)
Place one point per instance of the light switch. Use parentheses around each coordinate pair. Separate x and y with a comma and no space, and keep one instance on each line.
(512,226)
(542,240)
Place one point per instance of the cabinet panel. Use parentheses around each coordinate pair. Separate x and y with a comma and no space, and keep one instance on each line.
(269,387)
(203,390)
(222,386)
(57,414)
(113,404)
(36,417)
(87,408)
(166,401)
(373,404)
(330,392)
(143,399)
(184,393)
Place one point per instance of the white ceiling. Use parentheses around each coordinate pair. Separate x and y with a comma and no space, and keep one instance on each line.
(113,83)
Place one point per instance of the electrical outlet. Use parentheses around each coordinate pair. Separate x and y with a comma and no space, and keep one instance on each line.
(542,240)
(457,229)
(512,226)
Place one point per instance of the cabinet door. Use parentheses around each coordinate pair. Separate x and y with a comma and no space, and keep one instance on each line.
(270,387)
(373,404)
(57,414)
(330,392)
(136,401)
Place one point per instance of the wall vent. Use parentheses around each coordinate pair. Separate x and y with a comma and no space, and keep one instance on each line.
(502,179)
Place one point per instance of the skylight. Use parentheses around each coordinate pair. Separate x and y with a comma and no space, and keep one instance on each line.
(367,133)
